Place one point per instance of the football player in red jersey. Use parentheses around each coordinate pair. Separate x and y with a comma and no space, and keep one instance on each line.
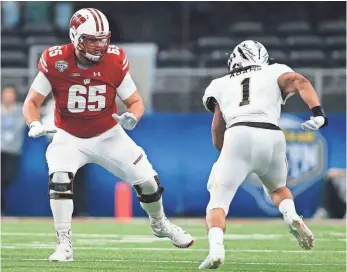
(84,77)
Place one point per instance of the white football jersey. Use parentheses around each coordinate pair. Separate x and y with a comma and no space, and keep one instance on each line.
(252,95)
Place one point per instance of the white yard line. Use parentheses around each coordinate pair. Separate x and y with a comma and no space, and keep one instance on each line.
(182,220)
(178,261)
(150,238)
(52,246)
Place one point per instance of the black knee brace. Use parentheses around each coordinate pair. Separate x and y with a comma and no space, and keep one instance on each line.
(60,188)
(149,198)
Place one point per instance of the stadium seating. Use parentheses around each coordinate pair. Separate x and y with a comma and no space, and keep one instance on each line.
(294,28)
(313,58)
(332,27)
(13,59)
(288,35)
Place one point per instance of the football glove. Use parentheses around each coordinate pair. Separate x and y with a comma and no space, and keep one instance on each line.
(127,120)
(37,130)
(317,121)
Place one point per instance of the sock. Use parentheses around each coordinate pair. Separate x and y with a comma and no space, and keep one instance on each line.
(215,236)
(154,210)
(62,214)
(287,207)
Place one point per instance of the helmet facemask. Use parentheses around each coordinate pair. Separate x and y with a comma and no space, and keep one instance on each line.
(93,47)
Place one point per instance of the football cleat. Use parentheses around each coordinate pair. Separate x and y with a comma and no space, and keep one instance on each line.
(162,228)
(215,259)
(63,251)
(300,231)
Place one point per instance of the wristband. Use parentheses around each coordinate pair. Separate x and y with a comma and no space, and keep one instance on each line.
(318,111)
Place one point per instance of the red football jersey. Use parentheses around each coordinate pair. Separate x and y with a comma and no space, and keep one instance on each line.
(84,98)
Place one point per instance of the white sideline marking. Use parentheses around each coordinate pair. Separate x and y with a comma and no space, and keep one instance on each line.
(335,233)
(177,261)
(52,246)
(150,238)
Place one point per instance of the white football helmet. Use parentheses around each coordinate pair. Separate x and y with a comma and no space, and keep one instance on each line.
(90,33)
(248,53)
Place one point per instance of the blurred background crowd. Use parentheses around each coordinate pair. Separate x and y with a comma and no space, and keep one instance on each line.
(191,40)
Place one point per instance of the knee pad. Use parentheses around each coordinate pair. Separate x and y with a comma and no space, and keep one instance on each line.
(60,185)
(149,191)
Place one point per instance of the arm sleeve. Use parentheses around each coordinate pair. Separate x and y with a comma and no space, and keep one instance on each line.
(41,84)
(42,65)
(280,70)
(209,99)
(126,88)
(124,64)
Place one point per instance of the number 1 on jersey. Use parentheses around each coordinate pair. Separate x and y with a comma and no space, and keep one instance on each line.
(245,92)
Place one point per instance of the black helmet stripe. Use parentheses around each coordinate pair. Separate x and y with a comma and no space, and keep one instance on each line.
(241,53)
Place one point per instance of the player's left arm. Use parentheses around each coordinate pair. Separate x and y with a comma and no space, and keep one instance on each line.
(127,92)
(130,96)
(134,104)
(218,128)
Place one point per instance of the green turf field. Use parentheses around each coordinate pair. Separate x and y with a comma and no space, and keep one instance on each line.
(104,245)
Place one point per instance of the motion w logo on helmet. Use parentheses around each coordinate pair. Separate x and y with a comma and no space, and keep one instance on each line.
(77,20)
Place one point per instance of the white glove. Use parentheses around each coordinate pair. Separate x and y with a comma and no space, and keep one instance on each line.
(313,124)
(37,130)
(127,120)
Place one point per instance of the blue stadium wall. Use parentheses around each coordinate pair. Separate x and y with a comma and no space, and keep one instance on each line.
(180,149)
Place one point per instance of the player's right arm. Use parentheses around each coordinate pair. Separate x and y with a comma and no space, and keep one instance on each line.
(292,82)
(39,89)
(218,128)
(32,105)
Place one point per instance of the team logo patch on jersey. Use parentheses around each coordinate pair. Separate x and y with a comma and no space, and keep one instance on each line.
(86,81)
(61,65)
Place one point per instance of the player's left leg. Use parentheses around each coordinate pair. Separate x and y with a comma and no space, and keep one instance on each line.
(274,181)
(119,154)
(149,193)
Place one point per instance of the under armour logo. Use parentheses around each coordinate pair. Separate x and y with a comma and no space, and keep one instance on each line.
(96,73)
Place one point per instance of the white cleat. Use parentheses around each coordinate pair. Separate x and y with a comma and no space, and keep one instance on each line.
(63,251)
(162,228)
(300,231)
(215,259)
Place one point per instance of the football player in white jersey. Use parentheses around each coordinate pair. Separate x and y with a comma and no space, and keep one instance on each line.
(247,104)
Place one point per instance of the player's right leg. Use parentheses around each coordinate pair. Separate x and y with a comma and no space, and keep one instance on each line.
(226,176)
(63,158)
(274,181)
